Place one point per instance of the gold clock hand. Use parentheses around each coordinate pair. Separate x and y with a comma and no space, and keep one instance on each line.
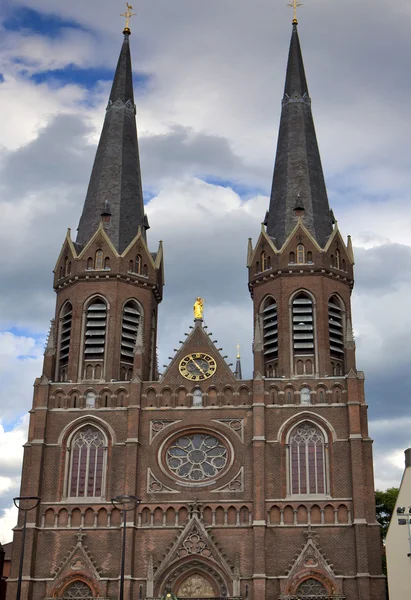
(197,365)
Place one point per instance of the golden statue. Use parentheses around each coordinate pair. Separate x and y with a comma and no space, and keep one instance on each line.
(198,308)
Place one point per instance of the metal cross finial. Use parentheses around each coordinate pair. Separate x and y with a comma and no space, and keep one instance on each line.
(128,14)
(238,351)
(295,4)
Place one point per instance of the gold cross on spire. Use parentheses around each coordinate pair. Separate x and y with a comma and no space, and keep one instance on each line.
(295,4)
(238,351)
(128,14)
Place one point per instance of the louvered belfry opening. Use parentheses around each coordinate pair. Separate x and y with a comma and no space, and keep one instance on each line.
(129,330)
(95,339)
(65,336)
(270,337)
(303,333)
(336,333)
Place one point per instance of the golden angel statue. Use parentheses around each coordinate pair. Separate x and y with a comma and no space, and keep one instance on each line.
(198,308)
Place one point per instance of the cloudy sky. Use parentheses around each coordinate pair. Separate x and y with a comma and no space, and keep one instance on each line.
(209,78)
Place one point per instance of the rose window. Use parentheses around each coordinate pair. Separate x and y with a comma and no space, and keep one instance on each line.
(196,457)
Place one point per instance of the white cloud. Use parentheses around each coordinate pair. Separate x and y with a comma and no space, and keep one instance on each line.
(7,522)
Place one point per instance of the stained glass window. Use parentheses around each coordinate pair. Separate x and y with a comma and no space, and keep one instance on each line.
(78,589)
(311,588)
(307,460)
(196,457)
(87,463)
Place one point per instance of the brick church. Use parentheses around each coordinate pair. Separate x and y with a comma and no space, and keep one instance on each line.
(257,489)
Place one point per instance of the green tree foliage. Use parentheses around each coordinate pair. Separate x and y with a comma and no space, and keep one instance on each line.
(385,503)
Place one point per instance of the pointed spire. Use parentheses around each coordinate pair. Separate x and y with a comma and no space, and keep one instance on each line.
(238,371)
(116,179)
(298,175)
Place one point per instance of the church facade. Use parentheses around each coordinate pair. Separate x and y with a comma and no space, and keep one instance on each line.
(255,489)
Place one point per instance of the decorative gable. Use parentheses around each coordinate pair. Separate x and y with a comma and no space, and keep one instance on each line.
(197,544)
(198,348)
(311,564)
(78,564)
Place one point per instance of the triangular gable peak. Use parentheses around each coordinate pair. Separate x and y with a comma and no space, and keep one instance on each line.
(197,342)
(336,239)
(100,234)
(311,563)
(261,242)
(194,542)
(301,229)
(67,248)
(141,242)
(77,564)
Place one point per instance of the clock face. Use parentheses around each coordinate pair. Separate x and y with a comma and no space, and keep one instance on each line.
(197,366)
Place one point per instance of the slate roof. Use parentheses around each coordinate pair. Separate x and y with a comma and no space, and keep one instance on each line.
(298,176)
(116,179)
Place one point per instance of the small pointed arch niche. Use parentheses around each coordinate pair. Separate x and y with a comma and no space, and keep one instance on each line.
(65,324)
(300,254)
(269,326)
(99,260)
(336,332)
(130,324)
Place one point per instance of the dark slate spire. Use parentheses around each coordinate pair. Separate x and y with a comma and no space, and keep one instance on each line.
(298,183)
(115,179)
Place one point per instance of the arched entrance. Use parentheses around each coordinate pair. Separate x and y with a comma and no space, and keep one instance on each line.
(311,589)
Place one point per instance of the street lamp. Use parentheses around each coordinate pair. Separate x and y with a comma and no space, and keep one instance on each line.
(404,518)
(24,503)
(125,503)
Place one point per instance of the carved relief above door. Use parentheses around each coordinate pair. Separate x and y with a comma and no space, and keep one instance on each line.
(196,586)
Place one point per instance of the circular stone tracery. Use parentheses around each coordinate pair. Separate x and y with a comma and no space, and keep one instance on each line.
(196,457)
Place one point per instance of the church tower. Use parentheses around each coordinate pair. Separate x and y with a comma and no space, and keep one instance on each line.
(257,489)
(310,429)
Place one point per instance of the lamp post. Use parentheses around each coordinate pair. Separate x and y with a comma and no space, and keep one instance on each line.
(125,503)
(404,518)
(24,503)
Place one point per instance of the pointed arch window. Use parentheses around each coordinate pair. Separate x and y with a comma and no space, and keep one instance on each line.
(78,589)
(307,460)
(303,324)
(300,254)
(138,265)
(67,266)
(98,260)
(87,454)
(336,329)
(66,317)
(129,330)
(305,396)
(311,588)
(270,335)
(197,398)
(337,259)
(263,260)
(95,337)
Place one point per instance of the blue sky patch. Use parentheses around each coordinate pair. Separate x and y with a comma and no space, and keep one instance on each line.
(244,191)
(27,18)
(83,77)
